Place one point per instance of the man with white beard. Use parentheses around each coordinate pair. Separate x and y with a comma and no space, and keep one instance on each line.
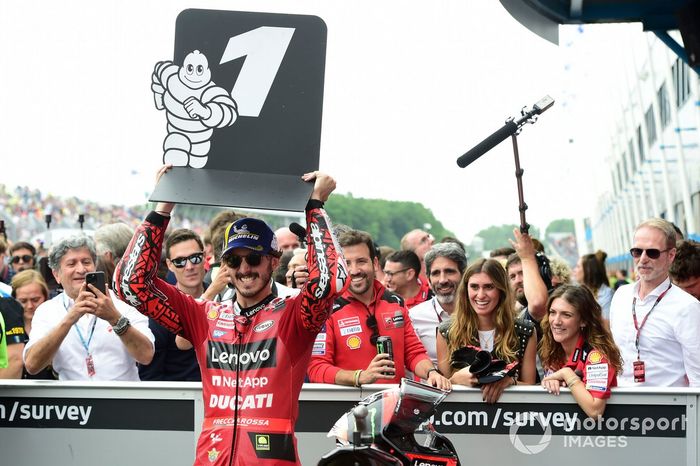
(445,264)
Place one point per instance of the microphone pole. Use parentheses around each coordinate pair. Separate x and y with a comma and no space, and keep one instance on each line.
(522,207)
(511,128)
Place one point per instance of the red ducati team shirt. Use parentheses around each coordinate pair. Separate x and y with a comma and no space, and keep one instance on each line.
(594,368)
(345,342)
(424,294)
(253,360)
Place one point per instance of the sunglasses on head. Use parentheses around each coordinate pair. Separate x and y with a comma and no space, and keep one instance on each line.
(195,259)
(372,324)
(651,253)
(253,259)
(24,258)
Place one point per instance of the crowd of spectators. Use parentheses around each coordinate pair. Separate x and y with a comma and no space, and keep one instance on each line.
(25,210)
(479,324)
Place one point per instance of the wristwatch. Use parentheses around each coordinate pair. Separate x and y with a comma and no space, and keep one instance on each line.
(121,326)
(433,369)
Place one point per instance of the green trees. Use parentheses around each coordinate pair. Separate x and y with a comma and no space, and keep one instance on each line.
(497,236)
(386,221)
(562,225)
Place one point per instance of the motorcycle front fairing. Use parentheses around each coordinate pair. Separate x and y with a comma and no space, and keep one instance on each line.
(395,416)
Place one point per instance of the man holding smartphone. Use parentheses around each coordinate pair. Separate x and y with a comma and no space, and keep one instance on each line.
(86,332)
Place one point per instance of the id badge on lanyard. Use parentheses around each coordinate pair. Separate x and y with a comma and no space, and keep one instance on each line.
(89,362)
(90,365)
(639,369)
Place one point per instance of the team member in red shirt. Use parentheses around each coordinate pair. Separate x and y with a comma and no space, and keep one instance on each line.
(345,353)
(253,352)
(578,350)
(401,276)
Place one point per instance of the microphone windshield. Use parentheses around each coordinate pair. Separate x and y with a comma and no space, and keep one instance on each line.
(298,230)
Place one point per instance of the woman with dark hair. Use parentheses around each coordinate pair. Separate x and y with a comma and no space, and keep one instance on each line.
(590,272)
(577,349)
(484,318)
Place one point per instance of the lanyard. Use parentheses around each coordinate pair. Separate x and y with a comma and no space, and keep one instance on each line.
(85,344)
(579,355)
(437,313)
(638,327)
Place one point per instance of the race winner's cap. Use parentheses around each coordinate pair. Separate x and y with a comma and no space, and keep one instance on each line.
(250,233)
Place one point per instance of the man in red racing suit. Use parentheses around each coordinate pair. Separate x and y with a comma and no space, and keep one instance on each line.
(253,352)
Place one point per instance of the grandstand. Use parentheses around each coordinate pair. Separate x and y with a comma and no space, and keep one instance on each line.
(653,162)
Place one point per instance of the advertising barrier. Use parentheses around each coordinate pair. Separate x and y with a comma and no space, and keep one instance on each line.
(158,423)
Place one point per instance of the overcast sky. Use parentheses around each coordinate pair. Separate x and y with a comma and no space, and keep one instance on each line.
(409,87)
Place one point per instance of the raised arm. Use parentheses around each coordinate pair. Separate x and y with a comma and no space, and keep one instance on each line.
(326,266)
(136,279)
(533,286)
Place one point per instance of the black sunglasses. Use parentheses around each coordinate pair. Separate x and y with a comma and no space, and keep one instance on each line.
(651,253)
(372,324)
(24,258)
(195,259)
(234,261)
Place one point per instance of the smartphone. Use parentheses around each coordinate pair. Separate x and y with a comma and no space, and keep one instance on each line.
(96,279)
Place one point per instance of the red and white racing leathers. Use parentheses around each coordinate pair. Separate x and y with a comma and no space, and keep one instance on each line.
(252,360)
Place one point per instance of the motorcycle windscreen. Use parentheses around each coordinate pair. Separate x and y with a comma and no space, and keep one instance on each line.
(416,403)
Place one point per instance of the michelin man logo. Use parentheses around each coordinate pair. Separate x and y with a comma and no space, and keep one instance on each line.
(194,106)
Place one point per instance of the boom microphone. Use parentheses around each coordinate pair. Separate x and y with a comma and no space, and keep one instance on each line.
(509,129)
(298,230)
(487,144)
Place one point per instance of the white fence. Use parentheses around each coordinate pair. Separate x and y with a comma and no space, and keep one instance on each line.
(151,423)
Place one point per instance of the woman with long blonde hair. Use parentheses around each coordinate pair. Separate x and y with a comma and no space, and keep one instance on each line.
(577,349)
(484,317)
(31,290)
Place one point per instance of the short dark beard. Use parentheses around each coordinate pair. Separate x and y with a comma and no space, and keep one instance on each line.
(266,277)
(369,285)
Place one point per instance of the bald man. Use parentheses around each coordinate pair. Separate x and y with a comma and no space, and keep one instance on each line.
(286,240)
(420,242)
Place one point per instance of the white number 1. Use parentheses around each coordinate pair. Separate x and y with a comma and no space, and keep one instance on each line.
(264,49)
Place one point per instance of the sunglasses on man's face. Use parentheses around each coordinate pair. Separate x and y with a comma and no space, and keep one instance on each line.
(651,253)
(234,261)
(195,259)
(24,258)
